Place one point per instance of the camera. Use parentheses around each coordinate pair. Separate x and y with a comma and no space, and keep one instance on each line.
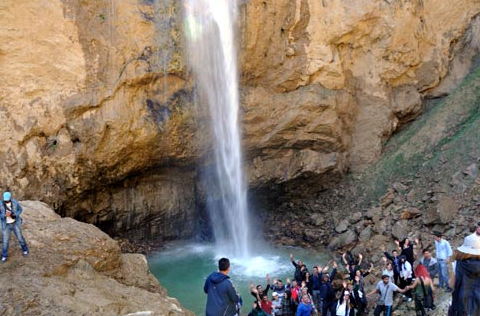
(13,216)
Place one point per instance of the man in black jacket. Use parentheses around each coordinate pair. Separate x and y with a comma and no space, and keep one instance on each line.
(222,298)
(396,264)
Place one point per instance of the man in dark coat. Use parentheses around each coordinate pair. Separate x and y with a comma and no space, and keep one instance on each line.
(327,293)
(222,298)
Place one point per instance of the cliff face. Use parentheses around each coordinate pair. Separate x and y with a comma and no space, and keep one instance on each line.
(97,103)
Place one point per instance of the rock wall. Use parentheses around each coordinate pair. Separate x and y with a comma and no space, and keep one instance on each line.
(387,55)
(94,93)
(97,106)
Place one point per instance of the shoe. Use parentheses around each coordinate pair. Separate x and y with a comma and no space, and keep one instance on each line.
(25,253)
(4,259)
(409,299)
(448,290)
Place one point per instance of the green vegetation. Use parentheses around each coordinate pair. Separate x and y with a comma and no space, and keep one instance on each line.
(443,141)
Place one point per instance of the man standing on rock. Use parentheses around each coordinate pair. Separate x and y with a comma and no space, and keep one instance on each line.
(444,252)
(10,211)
(222,298)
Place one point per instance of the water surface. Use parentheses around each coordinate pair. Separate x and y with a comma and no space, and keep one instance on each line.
(183,268)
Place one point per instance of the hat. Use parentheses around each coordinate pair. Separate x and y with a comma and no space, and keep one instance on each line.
(471,245)
(7,196)
(346,293)
(385,276)
(274,294)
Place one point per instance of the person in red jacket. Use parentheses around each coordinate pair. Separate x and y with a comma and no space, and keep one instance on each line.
(266,305)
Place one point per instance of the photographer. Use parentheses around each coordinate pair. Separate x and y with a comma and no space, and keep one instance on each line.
(10,211)
(385,288)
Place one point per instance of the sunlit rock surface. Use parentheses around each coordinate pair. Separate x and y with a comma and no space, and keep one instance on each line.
(75,269)
(97,103)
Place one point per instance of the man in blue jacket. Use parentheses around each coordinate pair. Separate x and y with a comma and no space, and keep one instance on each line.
(222,298)
(10,211)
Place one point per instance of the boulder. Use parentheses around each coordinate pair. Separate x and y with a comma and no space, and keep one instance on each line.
(75,269)
(400,229)
(445,211)
(388,198)
(342,226)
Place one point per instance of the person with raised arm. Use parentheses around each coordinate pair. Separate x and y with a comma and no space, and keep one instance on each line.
(395,259)
(351,264)
(258,292)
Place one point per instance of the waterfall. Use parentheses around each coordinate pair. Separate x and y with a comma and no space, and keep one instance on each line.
(209,30)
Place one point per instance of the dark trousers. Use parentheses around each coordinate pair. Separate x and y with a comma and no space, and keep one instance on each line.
(387,310)
(404,283)
(396,277)
(419,310)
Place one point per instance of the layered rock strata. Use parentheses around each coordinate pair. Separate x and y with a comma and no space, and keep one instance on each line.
(97,105)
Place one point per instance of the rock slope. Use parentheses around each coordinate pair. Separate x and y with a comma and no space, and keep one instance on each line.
(75,269)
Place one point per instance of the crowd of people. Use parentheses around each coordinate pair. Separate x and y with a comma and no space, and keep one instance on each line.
(315,293)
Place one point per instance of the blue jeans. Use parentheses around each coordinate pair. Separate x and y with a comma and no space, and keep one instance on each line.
(317,299)
(442,273)
(17,230)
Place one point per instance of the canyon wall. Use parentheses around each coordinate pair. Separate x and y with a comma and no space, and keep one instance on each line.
(98,113)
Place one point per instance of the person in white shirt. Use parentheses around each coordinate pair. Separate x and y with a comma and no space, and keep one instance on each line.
(343,306)
(444,252)
(406,273)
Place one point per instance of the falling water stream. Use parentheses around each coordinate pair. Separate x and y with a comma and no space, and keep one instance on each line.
(183,268)
(209,30)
